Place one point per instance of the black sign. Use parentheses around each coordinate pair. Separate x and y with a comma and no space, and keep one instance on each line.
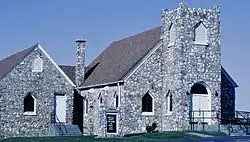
(111,123)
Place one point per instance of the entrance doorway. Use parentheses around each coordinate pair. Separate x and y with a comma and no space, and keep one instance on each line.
(201,103)
(60,108)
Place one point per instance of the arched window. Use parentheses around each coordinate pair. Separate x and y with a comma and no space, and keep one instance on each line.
(200,34)
(172,32)
(29,105)
(86,107)
(116,100)
(100,99)
(147,104)
(198,89)
(169,102)
(37,65)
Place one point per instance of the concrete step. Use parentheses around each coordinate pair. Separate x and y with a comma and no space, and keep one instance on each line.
(65,129)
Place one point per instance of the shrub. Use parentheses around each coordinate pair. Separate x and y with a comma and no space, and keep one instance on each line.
(151,129)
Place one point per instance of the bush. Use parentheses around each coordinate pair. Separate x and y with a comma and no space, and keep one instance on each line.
(151,129)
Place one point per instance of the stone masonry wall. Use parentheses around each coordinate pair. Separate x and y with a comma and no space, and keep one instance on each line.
(187,63)
(95,120)
(148,78)
(177,68)
(21,81)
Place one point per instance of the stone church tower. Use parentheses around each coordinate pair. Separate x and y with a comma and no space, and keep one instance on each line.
(192,61)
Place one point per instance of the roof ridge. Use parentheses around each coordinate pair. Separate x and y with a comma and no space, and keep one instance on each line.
(10,62)
(16,52)
(116,41)
(137,34)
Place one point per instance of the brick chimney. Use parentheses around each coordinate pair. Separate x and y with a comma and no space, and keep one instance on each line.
(80,61)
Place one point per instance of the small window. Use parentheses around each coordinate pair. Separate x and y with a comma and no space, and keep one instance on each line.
(116,100)
(200,34)
(37,65)
(29,105)
(86,107)
(100,100)
(169,102)
(147,104)
(172,36)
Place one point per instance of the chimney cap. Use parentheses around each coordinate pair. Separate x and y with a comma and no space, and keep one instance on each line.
(80,40)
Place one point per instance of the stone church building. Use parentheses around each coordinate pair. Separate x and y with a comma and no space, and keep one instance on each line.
(161,75)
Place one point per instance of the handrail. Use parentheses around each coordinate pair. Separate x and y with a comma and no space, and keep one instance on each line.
(54,118)
(229,119)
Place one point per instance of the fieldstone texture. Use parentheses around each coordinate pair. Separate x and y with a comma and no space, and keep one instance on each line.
(80,62)
(42,85)
(187,63)
(176,68)
(173,68)
(95,119)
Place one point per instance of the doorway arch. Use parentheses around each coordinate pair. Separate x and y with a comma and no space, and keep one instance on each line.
(201,102)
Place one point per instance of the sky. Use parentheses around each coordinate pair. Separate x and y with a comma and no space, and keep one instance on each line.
(55,24)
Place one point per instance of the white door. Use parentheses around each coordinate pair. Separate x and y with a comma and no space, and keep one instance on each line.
(202,103)
(61,108)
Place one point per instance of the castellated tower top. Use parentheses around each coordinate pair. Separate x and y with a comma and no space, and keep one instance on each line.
(185,20)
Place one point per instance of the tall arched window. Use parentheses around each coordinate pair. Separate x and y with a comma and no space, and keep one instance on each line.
(172,36)
(147,104)
(116,100)
(37,65)
(86,105)
(169,102)
(29,105)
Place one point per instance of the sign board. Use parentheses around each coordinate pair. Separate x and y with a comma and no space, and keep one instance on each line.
(111,123)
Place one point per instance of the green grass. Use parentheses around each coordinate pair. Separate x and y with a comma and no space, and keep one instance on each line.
(142,137)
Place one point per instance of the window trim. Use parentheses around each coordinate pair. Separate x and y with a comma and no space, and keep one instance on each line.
(100,99)
(86,104)
(206,38)
(168,97)
(171,43)
(153,106)
(41,65)
(30,112)
(116,100)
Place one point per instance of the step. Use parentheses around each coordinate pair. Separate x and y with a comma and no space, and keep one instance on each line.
(65,129)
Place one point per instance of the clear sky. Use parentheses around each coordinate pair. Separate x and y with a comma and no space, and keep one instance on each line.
(55,24)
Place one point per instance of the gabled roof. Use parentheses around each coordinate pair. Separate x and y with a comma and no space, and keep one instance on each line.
(120,57)
(116,61)
(223,72)
(9,63)
(70,71)
(112,65)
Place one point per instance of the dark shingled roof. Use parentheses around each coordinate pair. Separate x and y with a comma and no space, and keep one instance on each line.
(112,65)
(9,63)
(223,71)
(70,71)
(120,57)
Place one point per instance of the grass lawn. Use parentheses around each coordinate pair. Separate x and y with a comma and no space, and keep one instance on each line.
(142,137)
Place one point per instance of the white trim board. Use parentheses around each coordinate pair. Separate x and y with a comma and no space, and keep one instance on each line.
(54,63)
